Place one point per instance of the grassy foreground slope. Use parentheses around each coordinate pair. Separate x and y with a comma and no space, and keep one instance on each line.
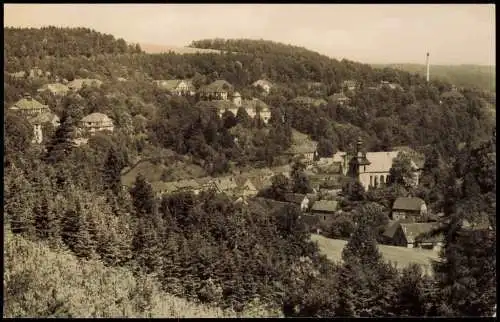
(39,282)
(332,248)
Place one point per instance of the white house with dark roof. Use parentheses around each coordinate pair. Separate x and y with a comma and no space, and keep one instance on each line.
(28,106)
(77,84)
(256,107)
(413,235)
(217,90)
(350,84)
(55,89)
(177,86)
(409,209)
(96,122)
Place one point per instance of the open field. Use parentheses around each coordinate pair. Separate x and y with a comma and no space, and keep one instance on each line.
(332,248)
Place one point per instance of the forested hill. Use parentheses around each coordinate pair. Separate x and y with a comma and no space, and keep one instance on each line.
(63,42)
(481,77)
(384,117)
(304,64)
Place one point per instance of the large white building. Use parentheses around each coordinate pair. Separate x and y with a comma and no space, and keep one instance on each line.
(374,168)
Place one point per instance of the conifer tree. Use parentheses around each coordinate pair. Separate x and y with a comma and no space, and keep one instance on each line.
(61,143)
(112,171)
(142,196)
(46,221)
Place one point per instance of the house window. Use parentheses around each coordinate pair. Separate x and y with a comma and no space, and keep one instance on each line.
(371,180)
(376,182)
(381,179)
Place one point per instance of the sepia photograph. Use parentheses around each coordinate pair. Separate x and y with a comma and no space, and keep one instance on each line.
(249,160)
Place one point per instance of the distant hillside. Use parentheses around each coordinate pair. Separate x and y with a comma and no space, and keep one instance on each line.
(63,42)
(481,77)
(157,49)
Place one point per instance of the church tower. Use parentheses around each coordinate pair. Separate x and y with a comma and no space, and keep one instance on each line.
(358,162)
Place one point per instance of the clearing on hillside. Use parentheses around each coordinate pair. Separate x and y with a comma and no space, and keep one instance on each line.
(332,248)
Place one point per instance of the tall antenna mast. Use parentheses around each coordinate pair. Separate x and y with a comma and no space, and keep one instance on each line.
(428,67)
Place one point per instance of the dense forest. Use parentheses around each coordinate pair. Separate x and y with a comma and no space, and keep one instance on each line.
(206,248)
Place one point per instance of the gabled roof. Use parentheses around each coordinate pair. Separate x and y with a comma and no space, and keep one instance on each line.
(339,97)
(79,82)
(172,84)
(408,203)
(380,161)
(391,228)
(225,183)
(96,118)
(28,104)
(56,88)
(217,86)
(416,232)
(325,206)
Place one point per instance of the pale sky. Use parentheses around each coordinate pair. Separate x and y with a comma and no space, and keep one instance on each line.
(380,33)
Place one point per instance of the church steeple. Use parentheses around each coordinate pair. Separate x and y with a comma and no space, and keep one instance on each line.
(358,160)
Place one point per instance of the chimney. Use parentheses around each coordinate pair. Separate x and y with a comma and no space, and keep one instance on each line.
(27,96)
(428,67)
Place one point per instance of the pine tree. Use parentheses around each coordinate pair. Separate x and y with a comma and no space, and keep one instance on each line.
(112,171)
(76,233)
(142,196)
(61,143)
(46,221)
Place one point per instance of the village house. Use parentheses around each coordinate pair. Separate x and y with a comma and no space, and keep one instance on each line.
(96,122)
(226,185)
(245,188)
(409,209)
(32,73)
(27,106)
(303,148)
(390,85)
(37,122)
(299,199)
(55,89)
(308,101)
(324,210)
(217,90)
(413,235)
(256,107)
(340,99)
(265,85)
(350,85)
(77,84)
(177,87)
